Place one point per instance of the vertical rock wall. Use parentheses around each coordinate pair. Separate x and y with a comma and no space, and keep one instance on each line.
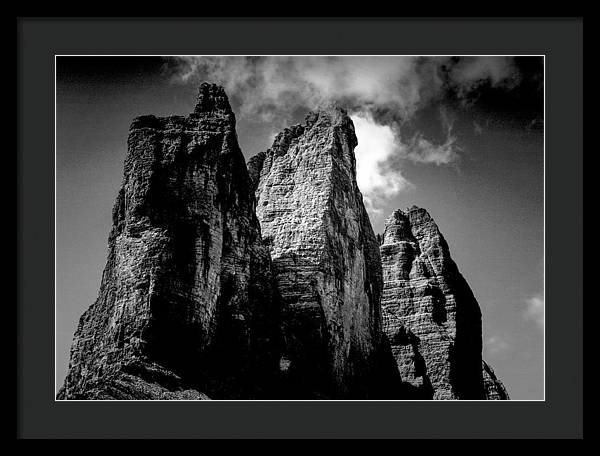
(494,389)
(195,303)
(186,299)
(430,315)
(325,256)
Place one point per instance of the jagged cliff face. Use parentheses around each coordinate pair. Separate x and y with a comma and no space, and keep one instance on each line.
(195,303)
(325,256)
(186,303)
(494,389)
(430,315)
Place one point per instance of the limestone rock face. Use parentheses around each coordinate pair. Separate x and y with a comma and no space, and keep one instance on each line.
(195,303)
(186,307)
(325,258)
(430,315)
(494,388)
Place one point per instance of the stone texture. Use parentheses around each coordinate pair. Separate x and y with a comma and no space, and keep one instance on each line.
(325,258)
(430,315)
(494,389)
(186,306)
(195,304)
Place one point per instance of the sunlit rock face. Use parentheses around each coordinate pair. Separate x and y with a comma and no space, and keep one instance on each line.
(185,308)
(430,315)
(325,259)
(196,303)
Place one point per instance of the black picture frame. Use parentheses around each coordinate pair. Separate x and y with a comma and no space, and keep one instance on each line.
(559,416)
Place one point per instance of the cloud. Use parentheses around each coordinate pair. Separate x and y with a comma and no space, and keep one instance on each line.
(534,309)
(471,72)
(422,150)
(377,145)
(496,345)
(393,89)
(271,86)
(381,147)
(382,94)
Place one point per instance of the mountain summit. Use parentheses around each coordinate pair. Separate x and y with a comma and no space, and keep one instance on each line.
(325,256)
(185,307)
(266,281)
(430,314)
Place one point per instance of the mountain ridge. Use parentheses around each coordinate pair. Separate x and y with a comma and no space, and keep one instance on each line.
(227,280)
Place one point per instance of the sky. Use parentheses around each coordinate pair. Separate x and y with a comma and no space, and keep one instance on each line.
(459,136)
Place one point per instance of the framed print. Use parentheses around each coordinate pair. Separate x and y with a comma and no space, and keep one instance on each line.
(321,236)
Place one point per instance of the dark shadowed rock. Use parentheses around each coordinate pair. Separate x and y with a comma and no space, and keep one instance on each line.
(430,315)
(325,258)
(195,304)
(494,389)
(186,306)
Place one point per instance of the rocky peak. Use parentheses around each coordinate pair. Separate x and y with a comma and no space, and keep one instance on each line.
(332,115)
(398,228)
(329,116)
(325,257)
(195,302)
(430,315)
(186,301)
(211,100)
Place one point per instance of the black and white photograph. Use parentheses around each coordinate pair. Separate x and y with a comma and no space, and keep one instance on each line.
(312,227)
(300,227)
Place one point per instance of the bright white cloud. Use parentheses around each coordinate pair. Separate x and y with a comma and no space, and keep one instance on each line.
(534,309)
(377,145)
(379,156)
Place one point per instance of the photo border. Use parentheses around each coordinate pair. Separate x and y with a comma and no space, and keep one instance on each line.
(47,38)
(294,55)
